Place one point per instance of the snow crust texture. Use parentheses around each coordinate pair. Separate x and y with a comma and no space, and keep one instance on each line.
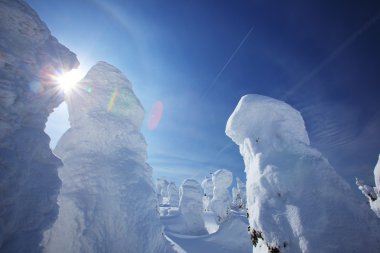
(296,201)
(372,193)
(107,201)
(191,207)
(221,200)
(30,57)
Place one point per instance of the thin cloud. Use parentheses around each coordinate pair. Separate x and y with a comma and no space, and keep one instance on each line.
(332,56)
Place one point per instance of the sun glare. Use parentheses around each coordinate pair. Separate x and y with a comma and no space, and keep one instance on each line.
(68,80)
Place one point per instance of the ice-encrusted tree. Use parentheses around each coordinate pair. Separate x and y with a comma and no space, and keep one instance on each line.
(173,194)
(30,59)
(372,193)
(296,201)
(239,198)
(221,200)
(208,188)
(107,200)
(191,206)
(162,190)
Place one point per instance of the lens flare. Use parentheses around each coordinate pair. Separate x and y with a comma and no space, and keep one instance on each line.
(112,101)
(68,80)
(155,115)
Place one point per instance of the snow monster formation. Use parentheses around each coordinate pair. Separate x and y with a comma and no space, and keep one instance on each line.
(162,190)
(208,188)
(30,59)
(296,201)
(221,201)
(173,194)
(107,200)
(191,207)
(238,195)
(372,193)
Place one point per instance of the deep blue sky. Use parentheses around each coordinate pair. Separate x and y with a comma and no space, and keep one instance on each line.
(322,57)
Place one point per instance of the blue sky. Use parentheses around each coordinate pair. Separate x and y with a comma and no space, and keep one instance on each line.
(322,57)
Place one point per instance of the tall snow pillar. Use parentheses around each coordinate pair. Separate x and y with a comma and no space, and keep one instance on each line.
(107,201)
(221,200)
(173,194)
(191,206)
(208,188)
(30,59)
(296,201)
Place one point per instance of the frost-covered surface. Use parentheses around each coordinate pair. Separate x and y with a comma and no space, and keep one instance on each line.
(296,201)
(107,201)
(372,193)
(208,188)
(239,198)
(221,200)
(29,58)
(173,194)
(191,207)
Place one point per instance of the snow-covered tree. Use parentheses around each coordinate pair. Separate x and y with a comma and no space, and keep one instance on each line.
(173,194)
(239,198)
(208,188)
(30,58)
(162,190)
(221,200)
(372,193)
(107,200)
(191,207)
(296,201)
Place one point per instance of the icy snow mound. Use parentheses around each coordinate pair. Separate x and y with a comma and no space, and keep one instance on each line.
(191,207)
(30,57)
(107,200)
(220,203)
(296,201)
(231,237)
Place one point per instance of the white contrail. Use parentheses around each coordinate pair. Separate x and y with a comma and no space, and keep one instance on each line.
(331,57)
(229,60)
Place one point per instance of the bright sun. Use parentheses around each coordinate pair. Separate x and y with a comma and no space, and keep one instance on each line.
(68,80)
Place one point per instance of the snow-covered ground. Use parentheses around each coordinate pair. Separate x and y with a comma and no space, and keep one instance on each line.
(229,237)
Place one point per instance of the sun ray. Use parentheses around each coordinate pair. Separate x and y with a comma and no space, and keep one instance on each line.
(68,80)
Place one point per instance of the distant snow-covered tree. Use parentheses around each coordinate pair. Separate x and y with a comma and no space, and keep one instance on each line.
(191,206)
(208,188)
(221,201)
(173,194)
